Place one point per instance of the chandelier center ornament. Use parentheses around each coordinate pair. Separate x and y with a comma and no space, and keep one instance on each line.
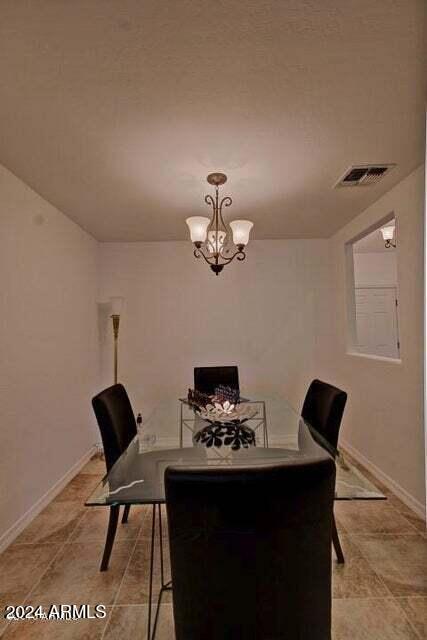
(215,240)
(217,179)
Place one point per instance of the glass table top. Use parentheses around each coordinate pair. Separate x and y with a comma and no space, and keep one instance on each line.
(281,436)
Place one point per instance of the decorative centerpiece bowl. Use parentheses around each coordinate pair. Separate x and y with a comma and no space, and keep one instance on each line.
(235,436)
(226,413)
(226,421)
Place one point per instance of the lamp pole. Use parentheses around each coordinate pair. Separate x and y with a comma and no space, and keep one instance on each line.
(116,324)
(116,304)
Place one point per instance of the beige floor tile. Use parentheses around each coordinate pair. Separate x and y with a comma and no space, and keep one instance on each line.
(145,531)
(415,609)
(338,522)
(411,516)
(147,513)
(392,500)
(95,466)
(349,547)
(368,475)
(399,560)
(135,584)
(407,581)
(54,524)
(75,578)
(369,619)
(396,550)
(56,630)
(78,489)
(130,622)
(356,579)
(379,561)
(416,522)
(93,525)
(21,566)
(370,516)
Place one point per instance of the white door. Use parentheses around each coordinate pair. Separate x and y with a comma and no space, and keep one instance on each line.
(376,321)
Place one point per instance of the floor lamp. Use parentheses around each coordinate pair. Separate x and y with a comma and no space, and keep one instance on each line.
(116,308)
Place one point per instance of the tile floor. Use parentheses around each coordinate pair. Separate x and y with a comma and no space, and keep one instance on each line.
(379,594)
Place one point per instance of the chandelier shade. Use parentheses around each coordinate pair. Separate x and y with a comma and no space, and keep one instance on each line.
(198,226)
(241,230)
(388,235)
(215,240)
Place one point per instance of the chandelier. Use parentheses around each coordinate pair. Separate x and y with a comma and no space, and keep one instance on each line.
(214,240)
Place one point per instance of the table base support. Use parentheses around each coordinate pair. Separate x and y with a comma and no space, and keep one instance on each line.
(165,586)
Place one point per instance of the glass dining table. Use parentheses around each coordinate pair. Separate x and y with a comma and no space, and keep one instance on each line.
(281,436)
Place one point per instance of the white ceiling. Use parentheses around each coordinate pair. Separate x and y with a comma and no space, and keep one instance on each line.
(116,111)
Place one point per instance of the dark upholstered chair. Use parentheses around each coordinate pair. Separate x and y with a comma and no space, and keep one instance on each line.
(250,551)
(206,379)
(323,409)
(117,425)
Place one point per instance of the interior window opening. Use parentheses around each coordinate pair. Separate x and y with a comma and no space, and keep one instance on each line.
(375,299)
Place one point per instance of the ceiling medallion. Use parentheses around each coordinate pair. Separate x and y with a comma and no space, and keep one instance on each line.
(214,240)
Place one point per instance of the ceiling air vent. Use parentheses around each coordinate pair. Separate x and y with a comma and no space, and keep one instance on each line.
(364,175)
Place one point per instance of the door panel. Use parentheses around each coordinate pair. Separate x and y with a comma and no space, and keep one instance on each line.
(376,321)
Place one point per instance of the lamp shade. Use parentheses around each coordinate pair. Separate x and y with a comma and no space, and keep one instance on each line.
(198,226)
(241,230)
(387,233)
(116,305)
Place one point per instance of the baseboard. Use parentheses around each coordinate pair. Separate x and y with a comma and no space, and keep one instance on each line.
(415,505)
(13,532)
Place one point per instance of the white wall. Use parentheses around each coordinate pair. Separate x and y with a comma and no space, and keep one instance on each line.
(49,346)
(384,416)
(260,314)
(375,269)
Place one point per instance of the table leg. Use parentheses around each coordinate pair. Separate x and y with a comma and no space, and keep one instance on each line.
(264,412)
(180,425)
(150,585)
(162,577)
(165,586)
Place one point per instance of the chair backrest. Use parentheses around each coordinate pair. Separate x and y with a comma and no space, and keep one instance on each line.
(206,379)
(323,408)
(116,421)
(250,551)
